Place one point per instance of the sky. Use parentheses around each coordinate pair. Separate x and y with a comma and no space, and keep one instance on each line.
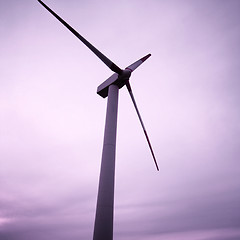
(52,120)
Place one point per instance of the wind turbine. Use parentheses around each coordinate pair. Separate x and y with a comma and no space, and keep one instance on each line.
(103,227)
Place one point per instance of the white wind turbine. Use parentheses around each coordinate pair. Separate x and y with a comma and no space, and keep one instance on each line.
(103,227)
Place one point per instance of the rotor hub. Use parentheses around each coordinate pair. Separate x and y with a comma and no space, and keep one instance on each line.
(125,75)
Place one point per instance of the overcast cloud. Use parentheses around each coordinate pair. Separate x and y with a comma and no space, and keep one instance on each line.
(52,120)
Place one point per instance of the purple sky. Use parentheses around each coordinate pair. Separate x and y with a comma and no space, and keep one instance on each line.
(52,120)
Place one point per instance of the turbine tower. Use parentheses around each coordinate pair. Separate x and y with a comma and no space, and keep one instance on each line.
(103,227)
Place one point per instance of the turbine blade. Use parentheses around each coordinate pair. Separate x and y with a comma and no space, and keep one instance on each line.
(133,66)
(139,116)
(107,61)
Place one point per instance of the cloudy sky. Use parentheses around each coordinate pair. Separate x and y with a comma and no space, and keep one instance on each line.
(52,120)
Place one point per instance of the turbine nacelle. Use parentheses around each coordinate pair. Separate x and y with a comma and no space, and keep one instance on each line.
(117,79)
(120,79)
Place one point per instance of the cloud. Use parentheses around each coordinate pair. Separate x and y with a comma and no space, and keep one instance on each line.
(53,121)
